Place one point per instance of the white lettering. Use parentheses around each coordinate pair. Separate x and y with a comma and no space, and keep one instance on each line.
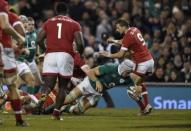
(169,104)
(160,103)
(157,101)
(182,104)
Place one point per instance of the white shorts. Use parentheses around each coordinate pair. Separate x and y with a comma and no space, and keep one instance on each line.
(87,90)
(22,68)
(9,61)
(145,67)
(33,67)
(58,63)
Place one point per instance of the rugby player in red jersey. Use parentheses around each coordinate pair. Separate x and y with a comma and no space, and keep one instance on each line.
(60,32)
(7,22)
(134,43)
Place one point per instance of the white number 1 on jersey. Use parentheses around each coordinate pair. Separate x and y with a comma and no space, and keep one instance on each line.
(59,30)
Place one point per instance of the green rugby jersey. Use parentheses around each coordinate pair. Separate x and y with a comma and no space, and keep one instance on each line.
(109,77)
(31,45)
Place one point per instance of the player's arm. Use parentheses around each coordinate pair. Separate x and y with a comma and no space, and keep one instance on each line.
(79,41)
(119,54)
(19,28)
(92,74)
(4,23)
(111,40)
(41,36)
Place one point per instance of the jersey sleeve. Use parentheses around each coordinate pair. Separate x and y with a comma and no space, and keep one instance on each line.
(106,69)
(76,27)
(14,19)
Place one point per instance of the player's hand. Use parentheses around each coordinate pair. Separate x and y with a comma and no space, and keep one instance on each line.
(111,40)
(99,86)
(105,53)
(25,51)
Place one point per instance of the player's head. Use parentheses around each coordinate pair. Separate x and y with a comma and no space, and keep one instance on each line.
(61,8)
(126,67)
(24,20)
(31,24)
(121,26)
(4,6)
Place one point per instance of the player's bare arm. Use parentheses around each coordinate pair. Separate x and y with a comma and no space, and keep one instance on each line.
(79,41)
(10,30)
(40,40)
(119,54)
(112,40)
(92,74)
(20,29)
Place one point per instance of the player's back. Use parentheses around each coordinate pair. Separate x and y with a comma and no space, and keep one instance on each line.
(134,41)
(109,76)
(60,34)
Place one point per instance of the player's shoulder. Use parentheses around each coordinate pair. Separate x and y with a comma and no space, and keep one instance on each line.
(132,31)
(13,15)
(3,13)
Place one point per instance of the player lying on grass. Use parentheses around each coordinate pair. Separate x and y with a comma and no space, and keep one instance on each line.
(102,78)
(29,102)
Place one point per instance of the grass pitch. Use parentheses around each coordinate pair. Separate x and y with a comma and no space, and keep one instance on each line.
(106,120)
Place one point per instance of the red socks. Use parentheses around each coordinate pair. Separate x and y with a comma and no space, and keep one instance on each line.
(141,104)
(145,94)
(16,105)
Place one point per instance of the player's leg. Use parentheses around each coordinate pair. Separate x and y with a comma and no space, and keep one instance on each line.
(79,108)
(49,84)
(82,105)
(65,65)
(50,73)
(26,75)
(144,94)
(35,71)
(62,83)
(10,75)
(14,98)
(73,95)
(138,77)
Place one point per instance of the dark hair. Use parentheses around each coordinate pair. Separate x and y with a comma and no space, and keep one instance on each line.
(30,19)
(61,8)
(122,22)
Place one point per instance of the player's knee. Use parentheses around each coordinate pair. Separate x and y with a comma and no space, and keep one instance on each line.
(11,80)
(70,97)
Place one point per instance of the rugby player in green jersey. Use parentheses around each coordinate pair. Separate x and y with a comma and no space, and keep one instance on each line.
(99,79)
(27,68)
(31,45)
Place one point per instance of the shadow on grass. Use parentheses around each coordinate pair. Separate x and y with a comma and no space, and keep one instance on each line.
(164,126)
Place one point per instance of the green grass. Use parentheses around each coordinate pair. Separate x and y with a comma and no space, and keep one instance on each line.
(106,120)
